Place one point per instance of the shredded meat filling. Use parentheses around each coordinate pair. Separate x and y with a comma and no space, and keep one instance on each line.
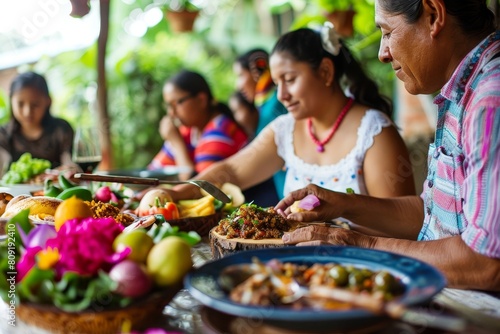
(253,222)
(103,210)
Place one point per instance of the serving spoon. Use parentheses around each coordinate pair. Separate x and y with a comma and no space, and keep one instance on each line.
(202,184)
(392,309)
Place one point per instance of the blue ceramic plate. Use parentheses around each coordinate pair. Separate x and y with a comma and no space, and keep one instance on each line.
(421,282)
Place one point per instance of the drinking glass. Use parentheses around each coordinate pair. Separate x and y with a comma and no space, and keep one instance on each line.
(86,148)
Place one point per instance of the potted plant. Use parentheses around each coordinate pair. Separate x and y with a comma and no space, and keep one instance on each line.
(79,8)
(181,14)
(340,13)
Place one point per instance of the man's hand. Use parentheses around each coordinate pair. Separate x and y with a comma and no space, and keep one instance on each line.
(331,206)
(323,235)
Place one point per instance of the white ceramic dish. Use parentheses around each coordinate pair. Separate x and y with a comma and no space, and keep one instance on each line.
(20,189)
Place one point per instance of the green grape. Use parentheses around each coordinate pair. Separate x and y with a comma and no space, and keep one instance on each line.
(25,168)
(25,157)
(13,166)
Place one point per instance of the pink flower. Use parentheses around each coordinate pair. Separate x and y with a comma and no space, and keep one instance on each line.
(86,245)
(27,261)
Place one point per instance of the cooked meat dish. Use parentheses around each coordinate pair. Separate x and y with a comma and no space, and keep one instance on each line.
(253,222)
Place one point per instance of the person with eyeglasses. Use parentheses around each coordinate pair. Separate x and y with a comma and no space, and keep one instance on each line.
(197,129)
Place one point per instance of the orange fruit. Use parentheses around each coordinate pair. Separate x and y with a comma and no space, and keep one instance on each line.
(70,208)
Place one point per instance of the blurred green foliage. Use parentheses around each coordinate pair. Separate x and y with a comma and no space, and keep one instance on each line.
(136,68)
(4,109)
(135,79)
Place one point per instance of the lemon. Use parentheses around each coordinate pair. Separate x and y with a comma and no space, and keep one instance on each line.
(70,208)
(139,242)
(169,260)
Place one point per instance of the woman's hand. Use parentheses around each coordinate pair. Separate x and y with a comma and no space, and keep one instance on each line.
(168,130)
(314,235)
(331,207)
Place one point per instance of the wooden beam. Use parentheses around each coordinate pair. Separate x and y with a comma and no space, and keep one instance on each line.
(102,93)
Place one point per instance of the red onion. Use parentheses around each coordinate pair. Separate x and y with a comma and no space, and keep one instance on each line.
(309,202)
(132,279)
(103,194)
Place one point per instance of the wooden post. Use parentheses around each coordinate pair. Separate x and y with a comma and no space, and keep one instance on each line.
(102,93)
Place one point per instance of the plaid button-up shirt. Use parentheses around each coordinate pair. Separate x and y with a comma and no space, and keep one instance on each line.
(462,191)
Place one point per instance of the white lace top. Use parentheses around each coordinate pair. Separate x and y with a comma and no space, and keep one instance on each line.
(347,173)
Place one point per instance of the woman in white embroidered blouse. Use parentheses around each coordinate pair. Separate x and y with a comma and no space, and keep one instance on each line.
(327,138)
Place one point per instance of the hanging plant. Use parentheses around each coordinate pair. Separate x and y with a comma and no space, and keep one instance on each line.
(79,8)
(181,14)
(342,20)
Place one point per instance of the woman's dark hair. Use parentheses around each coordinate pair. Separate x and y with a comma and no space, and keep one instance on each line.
(30,80)
(254,60)
(194,83)
(243,100)
(305,45)
(473,16)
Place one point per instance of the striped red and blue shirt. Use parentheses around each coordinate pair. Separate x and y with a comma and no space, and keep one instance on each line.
(462,190)
(221,138)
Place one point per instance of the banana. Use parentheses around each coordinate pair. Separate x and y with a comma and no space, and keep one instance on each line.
(206,211)
(201,207)
(200,202)
(39,206)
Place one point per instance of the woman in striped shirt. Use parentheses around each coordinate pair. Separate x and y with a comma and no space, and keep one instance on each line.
(206,131)
(451,46)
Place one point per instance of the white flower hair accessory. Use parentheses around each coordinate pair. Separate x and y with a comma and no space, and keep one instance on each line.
(330,39)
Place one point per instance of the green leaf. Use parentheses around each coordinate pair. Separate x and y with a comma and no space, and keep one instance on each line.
(191,237)
(28,287)
(166,230)
(218,205)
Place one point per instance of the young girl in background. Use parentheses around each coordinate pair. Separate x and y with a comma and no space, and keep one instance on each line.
(32,128)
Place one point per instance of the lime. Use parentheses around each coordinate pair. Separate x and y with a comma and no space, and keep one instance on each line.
(139,242)
(169,260)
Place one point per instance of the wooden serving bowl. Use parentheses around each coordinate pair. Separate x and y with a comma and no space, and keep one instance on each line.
(202,225)
(98,320)
(222,246)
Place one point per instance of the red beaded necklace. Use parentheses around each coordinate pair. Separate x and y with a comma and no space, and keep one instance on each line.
(320,144)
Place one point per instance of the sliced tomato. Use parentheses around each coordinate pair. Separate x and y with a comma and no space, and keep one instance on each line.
(169,211)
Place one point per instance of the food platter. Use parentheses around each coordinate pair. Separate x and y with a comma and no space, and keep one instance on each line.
(421,282)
